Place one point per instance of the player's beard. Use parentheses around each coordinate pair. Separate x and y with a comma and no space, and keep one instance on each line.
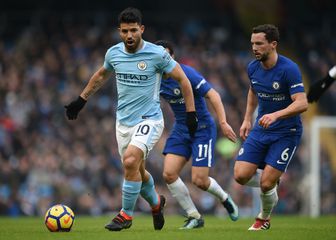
(262,57)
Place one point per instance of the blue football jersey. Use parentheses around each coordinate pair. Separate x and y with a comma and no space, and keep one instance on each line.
(138,77)
(201,147)
(171,92)
(273,88)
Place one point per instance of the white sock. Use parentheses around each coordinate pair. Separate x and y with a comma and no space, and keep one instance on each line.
(255,180)
(217,190)
(268,202)
(181,193)
(332,72)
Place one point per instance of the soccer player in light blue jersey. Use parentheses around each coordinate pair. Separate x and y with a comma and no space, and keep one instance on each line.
(180,146)
(138,67)
(277,89)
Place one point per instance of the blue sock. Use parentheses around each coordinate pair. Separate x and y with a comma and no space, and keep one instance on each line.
(148,192)
(130,193)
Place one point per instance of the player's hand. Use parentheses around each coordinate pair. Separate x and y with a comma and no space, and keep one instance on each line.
(74,107)
(245,129)
(228,132)
(192,123)
(266,120)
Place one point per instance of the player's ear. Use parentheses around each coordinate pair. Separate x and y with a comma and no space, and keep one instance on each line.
(274,44)
(142,28)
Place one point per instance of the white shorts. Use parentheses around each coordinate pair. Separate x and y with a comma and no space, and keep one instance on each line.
(144,135)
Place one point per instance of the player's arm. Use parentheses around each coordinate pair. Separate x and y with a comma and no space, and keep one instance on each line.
(251,105)
(318,88)
(299,105)
(178,75)
(96,81)
(216,102)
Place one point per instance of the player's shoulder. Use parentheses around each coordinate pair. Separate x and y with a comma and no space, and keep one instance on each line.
(115,49)
(187,68)
(252,66)
(287,63)
(153,48)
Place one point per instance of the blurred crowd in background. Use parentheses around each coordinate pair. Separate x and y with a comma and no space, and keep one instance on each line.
(46,59)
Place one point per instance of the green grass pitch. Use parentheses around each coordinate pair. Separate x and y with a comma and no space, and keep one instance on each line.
(282,227)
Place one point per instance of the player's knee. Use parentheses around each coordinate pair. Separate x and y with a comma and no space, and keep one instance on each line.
(201,182)
(240,177)
(266,186)
(169,177)
(130,162)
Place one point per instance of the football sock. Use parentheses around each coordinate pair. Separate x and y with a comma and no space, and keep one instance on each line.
(181,193)
(255,180)
(268,201)
(217,190)
(130,193)
(148,192)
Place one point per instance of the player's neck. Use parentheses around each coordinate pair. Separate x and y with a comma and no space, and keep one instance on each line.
(271,61)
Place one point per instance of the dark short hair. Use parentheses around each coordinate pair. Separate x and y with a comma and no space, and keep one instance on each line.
(130,15)
(166,44)
(271,32)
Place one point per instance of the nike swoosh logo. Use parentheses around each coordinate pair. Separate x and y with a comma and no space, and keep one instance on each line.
(253,82)
(66,221)
(279,162)
(199,159)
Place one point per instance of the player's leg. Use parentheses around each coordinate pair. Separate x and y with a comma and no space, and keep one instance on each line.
(202,159)
(134,143)
(280,153)
(245,173)
(200,177)
(124,220)
(156,201)
(173,165)
(268,196)
(250,156)
(178,150)
(132,159)
(146,135)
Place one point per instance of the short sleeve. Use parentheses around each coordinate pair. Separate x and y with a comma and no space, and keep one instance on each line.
(294,79)
(166,62)
(200,85)
(107,64)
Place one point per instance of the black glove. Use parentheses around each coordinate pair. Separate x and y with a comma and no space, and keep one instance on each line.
(192,123)
(318,88)
(74,107)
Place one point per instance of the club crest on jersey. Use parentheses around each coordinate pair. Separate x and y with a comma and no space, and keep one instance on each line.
(142,65)
(276,85)
(177,91)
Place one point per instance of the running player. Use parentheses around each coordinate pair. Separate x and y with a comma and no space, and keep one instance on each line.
(138,66)
(180,146)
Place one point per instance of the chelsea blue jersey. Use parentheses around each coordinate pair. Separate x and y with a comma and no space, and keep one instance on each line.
(171,92)
(273,88)
(138,77)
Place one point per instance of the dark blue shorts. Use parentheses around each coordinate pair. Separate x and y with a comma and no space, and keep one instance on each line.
(276,150)
(200,148)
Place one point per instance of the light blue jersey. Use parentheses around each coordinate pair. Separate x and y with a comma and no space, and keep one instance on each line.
(138,77)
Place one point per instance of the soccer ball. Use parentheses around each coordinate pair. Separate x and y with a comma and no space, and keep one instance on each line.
(59,218)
